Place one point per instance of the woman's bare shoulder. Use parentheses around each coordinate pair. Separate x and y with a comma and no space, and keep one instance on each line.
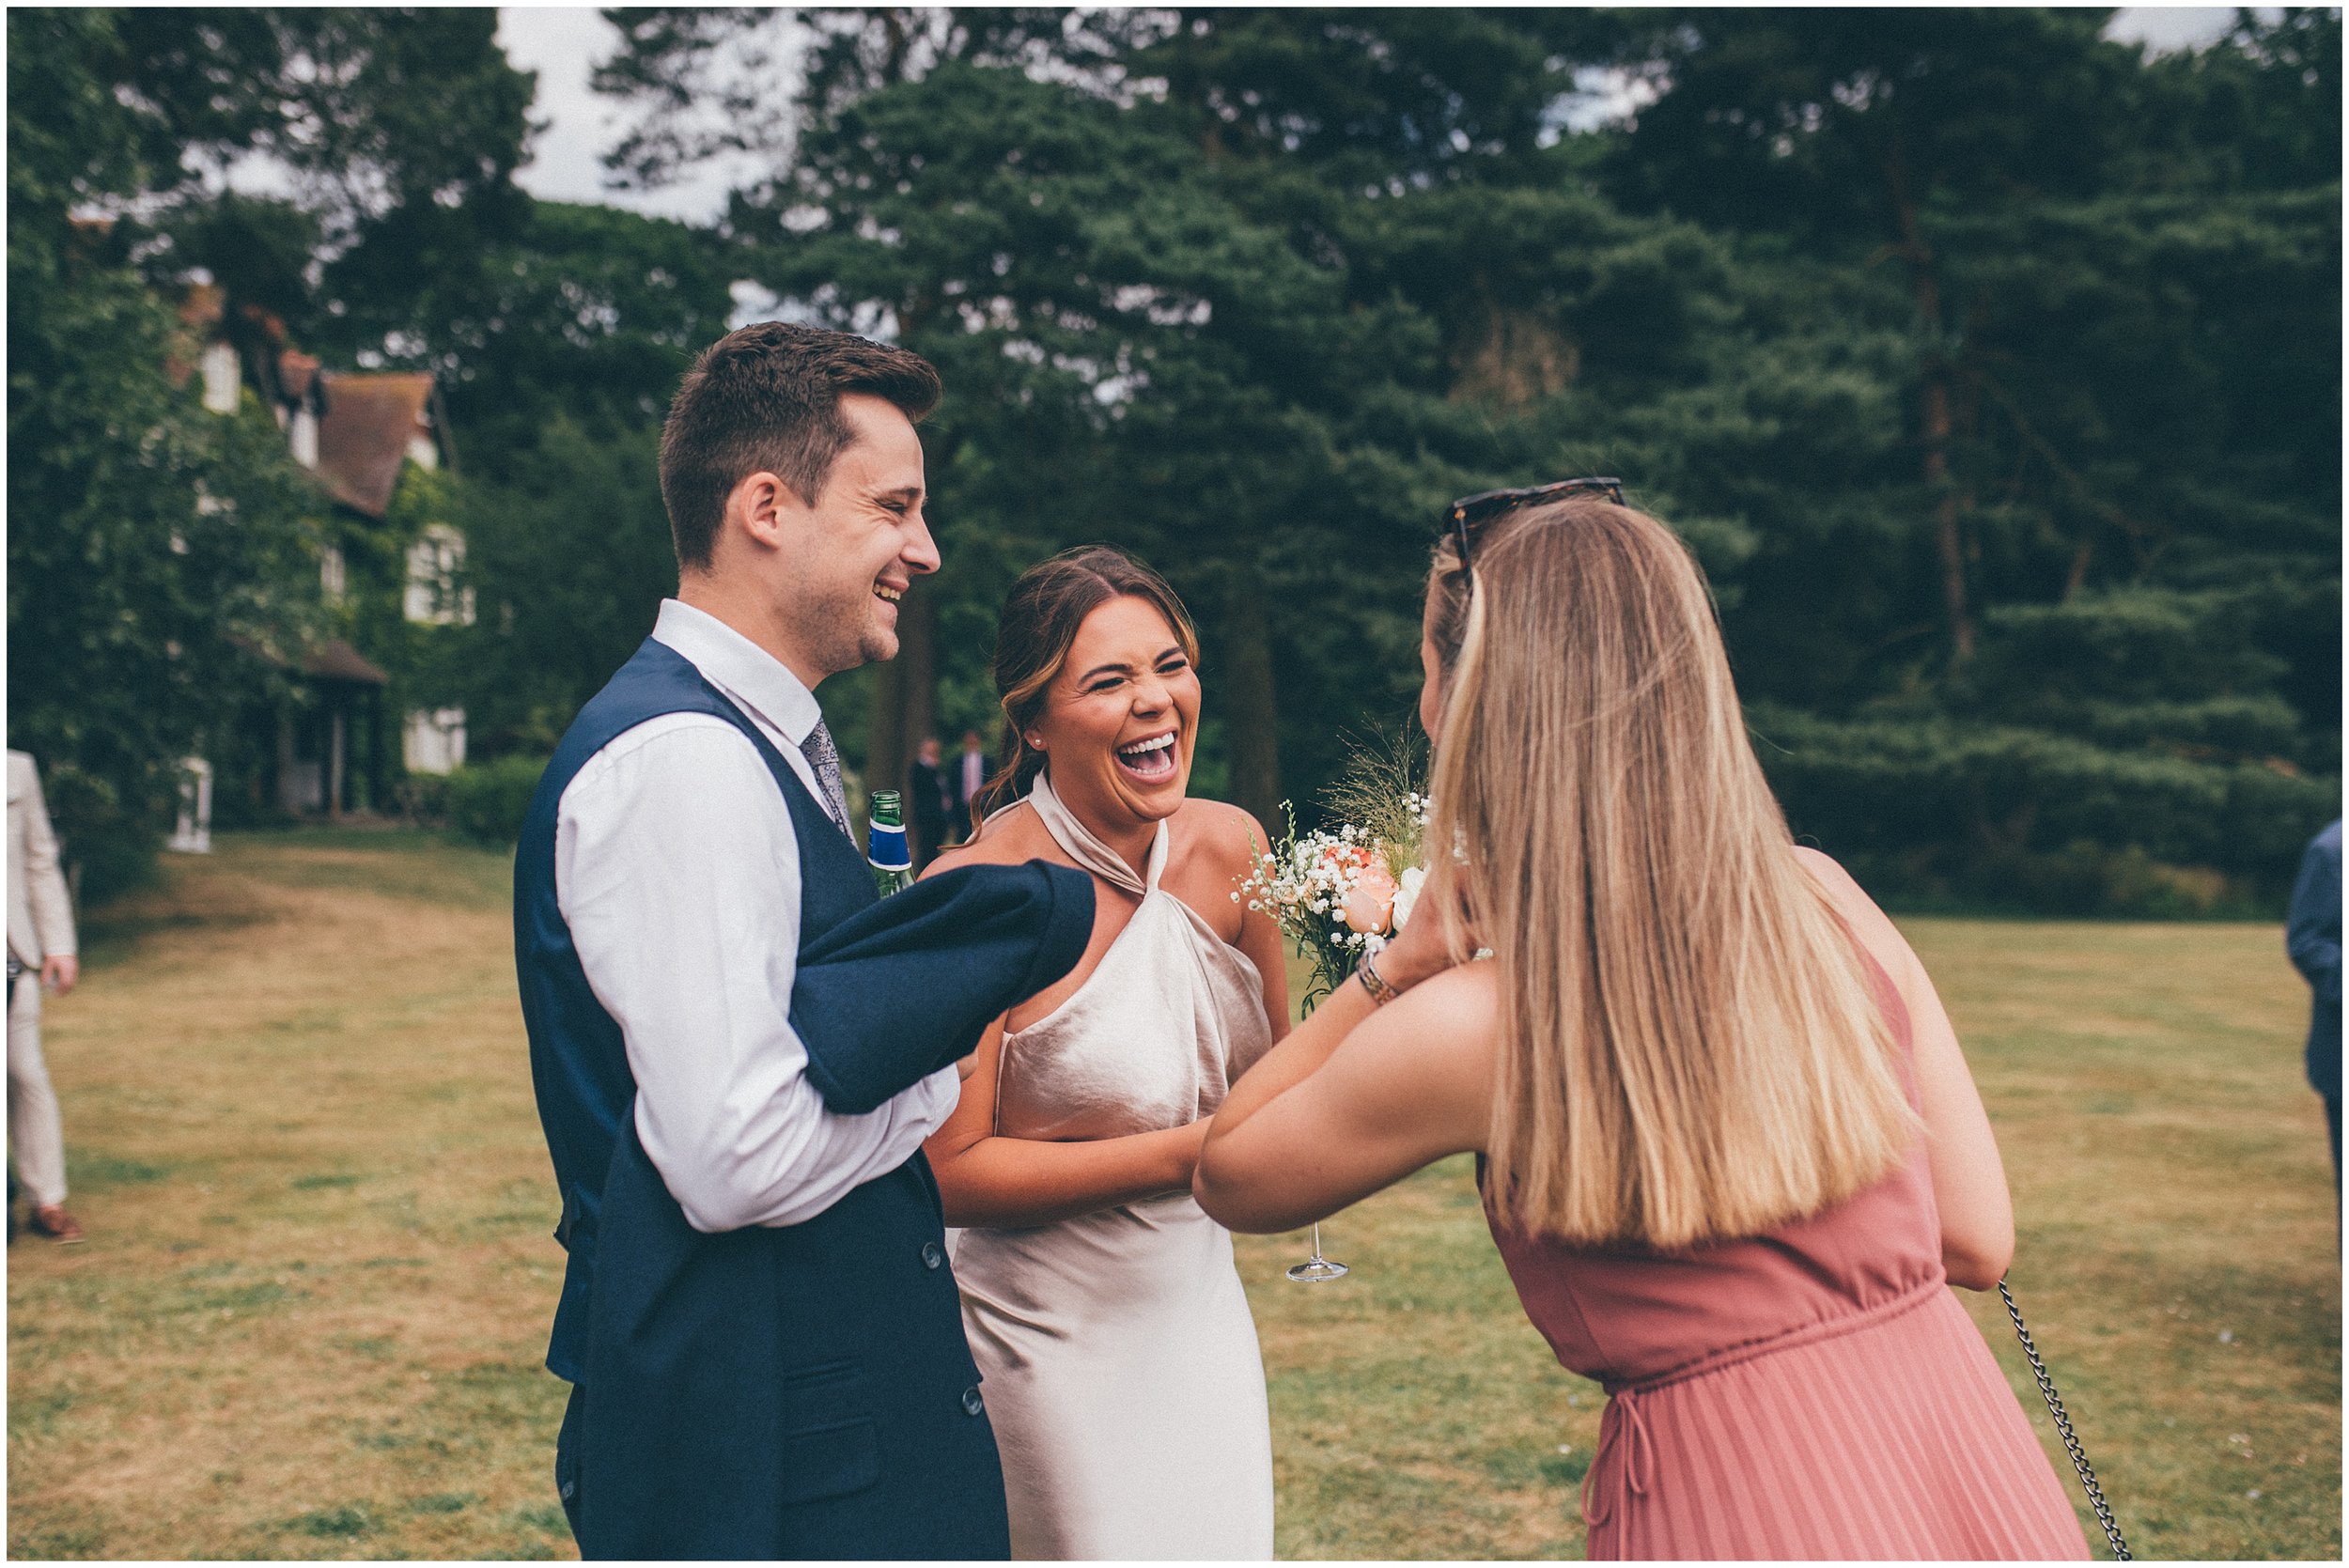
(1869,924)
(1228,836)
(1010,838)
(1459,1007)
(1826,870)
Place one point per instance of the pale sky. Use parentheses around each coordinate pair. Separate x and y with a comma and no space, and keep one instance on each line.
(563,44)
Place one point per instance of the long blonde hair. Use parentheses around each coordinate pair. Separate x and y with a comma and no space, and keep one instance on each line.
(1690,1048)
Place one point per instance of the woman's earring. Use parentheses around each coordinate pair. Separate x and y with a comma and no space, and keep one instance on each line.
(1034,743)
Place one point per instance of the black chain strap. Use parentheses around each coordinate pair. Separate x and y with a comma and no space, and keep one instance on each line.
(2063,1429)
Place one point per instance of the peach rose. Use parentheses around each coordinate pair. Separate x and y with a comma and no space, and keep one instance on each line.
(1369,908)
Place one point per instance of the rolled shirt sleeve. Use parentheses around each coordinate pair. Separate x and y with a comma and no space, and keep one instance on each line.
(677,870)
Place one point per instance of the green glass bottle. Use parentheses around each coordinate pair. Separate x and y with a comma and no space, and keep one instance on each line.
(886,851)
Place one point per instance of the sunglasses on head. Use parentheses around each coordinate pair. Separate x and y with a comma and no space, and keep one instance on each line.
(1471,512)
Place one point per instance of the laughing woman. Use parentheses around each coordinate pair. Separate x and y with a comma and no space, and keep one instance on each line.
(1121,1363)
(1729,1148)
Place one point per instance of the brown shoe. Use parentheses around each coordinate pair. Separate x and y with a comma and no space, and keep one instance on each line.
(51,1219)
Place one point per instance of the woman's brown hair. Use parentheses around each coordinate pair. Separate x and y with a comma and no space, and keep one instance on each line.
(1041,615)
(1691,1047)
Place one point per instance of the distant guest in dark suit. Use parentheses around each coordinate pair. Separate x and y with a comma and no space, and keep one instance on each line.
(972,771)
(928,800)
(2313,938)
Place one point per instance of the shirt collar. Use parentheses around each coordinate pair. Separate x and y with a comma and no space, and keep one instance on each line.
(746,673)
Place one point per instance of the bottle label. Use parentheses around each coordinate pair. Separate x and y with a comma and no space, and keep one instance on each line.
(888,851)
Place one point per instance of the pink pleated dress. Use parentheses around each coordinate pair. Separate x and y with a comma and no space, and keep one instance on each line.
(1813,1393)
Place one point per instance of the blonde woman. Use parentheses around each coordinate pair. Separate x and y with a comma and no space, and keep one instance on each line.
(1729,1148)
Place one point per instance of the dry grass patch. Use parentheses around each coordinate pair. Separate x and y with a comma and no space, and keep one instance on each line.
(309,1319)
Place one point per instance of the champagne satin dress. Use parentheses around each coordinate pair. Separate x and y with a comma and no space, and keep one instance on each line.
(1812,1392)
(1122,1377)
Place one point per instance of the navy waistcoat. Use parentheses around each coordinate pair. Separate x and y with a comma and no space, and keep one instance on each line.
(799,1392)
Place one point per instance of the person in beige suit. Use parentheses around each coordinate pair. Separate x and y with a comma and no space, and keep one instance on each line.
(40,952)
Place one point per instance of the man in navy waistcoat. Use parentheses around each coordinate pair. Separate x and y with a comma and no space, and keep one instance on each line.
(737,1050)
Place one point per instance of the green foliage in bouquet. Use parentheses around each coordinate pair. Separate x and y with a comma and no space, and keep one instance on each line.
(1340,892)
(1383,791)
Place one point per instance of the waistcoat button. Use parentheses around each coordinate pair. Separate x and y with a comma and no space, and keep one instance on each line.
(931,1256)
(971,1402)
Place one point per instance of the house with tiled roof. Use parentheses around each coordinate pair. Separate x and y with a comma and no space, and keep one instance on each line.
(376,425)
(359,433)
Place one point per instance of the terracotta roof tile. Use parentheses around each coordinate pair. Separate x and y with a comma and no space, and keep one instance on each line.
(364,438)
(335,659)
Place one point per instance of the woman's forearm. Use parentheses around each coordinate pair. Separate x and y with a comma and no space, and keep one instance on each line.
(1017,1181)
(1295,1058)
(1226,1156)
(1012,1182)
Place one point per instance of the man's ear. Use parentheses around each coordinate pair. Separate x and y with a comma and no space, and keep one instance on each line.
(760,505)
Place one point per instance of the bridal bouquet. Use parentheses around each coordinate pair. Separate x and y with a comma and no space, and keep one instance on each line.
(1340,892)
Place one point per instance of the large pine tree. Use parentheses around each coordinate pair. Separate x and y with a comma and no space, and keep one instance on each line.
(1988,364)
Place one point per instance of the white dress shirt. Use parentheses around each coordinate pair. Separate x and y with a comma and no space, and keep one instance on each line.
(677,871)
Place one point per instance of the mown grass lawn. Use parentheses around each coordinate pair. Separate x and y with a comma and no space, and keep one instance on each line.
(309,1319)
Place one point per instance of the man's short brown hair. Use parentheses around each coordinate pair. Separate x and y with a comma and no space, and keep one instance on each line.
(766,398)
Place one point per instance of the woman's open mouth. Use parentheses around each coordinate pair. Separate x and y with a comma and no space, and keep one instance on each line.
(1150,762)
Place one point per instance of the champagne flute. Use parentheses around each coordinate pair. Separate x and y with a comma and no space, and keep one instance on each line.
(1317,1269)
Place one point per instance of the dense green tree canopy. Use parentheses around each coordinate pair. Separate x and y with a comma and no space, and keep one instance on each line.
(163,560)
(1990,366)
(2101,606)
(154,550)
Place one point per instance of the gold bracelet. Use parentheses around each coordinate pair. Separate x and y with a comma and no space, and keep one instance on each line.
(1381,992)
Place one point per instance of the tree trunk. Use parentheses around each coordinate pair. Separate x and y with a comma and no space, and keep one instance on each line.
(905,697)
(380,743)
(279,787)
(1947,543)
(338,726)
(1251,714)
(1948,546)
(2078,576)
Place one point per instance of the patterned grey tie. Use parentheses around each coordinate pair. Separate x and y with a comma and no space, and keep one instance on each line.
(824,757)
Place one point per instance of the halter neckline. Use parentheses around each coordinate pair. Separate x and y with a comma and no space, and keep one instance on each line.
(1085,847)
